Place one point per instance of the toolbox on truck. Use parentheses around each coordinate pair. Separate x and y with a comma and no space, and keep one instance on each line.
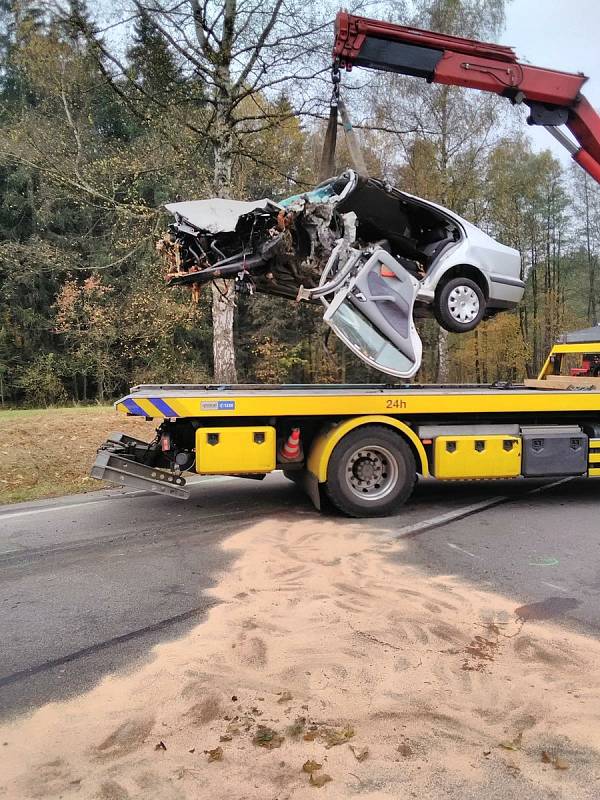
(477,456)
(235,449)
(555,450)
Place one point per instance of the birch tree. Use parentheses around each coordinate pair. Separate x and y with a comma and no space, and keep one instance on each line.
(238,54)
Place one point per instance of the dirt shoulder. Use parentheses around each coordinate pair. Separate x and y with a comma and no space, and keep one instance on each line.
(49,452)
(326,651)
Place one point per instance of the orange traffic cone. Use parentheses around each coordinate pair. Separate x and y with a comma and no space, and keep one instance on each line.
(291,449)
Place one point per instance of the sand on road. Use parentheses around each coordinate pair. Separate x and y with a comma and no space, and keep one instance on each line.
(325,648)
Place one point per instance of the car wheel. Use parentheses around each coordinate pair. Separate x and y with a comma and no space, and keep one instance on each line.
(459,305)
(371,472)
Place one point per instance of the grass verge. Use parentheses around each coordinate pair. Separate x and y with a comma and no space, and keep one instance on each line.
(49,452)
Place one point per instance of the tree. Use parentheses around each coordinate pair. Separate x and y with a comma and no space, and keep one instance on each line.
(445,133)
(237,55)
(586,209)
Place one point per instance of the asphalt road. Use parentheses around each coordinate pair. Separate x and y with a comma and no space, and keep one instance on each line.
(88,584)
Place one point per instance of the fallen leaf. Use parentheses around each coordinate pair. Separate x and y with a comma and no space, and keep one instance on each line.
(360,753)
(267,737)
(296,728)
(487,752)
(160,746)
(215,755)
(514,744)
(336,736)
(319,780)
(561,763)
(193,750)
(311,766)
(285,697)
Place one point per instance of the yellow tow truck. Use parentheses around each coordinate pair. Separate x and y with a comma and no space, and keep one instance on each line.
(361,447)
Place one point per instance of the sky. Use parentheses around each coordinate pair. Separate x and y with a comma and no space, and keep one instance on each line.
(560,34)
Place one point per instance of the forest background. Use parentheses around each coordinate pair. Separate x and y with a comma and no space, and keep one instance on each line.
(107,115)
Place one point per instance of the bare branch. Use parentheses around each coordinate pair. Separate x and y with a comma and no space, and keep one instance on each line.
(259,46)
(198,15)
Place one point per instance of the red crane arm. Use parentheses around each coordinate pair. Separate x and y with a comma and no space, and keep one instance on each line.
(554,97)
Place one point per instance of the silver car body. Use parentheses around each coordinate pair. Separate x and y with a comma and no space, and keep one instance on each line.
(499,264)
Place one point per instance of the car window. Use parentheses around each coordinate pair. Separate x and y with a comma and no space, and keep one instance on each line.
(318,195)
(360,335)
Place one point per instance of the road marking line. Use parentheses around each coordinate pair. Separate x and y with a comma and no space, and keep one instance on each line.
(551,485)
(67,506)
(49,509)
(466,511)
(462,550)
(554,586)
(449,516)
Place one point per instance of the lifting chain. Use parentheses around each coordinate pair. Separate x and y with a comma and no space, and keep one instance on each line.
(327,164)
(336,79)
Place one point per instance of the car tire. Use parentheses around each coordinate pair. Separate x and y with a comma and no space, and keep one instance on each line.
(371,472)
(459,305)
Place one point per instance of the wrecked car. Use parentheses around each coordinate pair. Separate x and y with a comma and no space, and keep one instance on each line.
(374,256)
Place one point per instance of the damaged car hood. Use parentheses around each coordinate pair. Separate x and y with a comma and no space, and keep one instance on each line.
(216,215)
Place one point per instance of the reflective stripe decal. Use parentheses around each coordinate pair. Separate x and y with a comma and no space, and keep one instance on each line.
(133,408)
(164,408)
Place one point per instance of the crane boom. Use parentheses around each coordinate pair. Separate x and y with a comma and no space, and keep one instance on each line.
(554,97)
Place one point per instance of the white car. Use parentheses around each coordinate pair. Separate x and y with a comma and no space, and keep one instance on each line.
(375,256)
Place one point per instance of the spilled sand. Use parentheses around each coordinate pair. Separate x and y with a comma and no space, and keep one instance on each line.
(325,648)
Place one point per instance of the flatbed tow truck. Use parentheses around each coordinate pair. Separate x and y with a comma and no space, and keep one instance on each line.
(362,447)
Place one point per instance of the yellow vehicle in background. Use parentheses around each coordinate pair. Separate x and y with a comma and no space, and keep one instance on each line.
(361,447)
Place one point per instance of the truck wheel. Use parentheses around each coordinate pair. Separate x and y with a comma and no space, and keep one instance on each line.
(371,472)
(459,305)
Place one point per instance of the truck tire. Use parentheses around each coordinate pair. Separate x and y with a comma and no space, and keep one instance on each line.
(371,472)
(459,305)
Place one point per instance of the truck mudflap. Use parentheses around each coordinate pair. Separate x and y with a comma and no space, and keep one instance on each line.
(116,462)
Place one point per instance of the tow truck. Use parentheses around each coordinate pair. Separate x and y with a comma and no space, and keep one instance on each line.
(362,447)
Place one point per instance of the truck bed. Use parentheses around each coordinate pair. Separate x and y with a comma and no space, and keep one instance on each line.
(256,400)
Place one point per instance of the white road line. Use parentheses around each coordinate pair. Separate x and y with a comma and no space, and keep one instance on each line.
(550,485)
(554,586)
(48,510)
(449,516)
(466,511)
(462,550)
(68,506)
